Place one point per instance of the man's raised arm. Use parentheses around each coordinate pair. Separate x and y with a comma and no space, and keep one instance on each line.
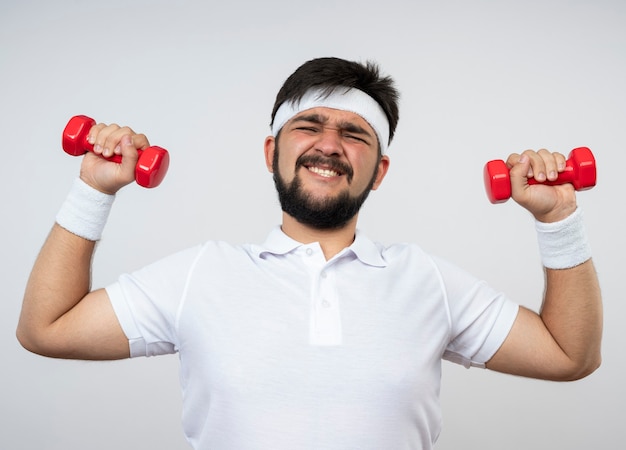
(563,341)
(61,317)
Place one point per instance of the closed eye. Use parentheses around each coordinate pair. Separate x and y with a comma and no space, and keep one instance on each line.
(309,129)
(356,138)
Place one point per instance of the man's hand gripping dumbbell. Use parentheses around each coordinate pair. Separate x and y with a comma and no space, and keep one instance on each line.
(579,170)
(117,144)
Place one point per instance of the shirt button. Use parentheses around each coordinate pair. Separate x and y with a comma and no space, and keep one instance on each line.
(309,251)
(325,303)
(323,275)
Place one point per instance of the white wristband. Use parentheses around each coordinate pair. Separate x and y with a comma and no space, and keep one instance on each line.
(85,211)
(563,244)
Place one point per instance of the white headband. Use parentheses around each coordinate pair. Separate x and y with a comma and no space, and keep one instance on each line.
(353,100)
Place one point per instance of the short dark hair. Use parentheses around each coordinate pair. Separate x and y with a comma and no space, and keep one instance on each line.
(332,73)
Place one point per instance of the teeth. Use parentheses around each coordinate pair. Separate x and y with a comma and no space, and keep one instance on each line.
(324,172)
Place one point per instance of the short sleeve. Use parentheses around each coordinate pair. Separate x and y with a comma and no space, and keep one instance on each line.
(481,317)
(147,302)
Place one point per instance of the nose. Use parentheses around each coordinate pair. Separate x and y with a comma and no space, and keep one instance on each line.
(329,142)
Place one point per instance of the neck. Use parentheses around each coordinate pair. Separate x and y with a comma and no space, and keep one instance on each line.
(331,241)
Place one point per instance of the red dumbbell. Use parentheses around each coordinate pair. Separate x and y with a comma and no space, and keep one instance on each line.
(151,166)
(580,170)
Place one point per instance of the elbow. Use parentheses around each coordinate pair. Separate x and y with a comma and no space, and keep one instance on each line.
(34,341)
(592,366)
(29,333)
(27,340)
(583,369)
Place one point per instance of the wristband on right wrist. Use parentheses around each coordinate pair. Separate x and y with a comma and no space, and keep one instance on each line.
(85,211)
(563,244)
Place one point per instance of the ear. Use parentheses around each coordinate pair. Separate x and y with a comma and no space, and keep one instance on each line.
(383,167)
(268,148)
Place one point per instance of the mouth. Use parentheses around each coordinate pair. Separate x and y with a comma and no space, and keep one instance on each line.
(326,168)
(326,173)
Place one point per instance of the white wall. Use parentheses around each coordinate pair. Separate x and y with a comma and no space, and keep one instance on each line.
(479,79)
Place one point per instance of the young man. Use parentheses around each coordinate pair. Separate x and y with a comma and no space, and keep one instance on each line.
(319,338)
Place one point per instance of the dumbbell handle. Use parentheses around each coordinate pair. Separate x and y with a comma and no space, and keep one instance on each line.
(152,163)
(580,171)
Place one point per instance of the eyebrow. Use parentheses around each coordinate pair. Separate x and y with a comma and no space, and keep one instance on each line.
(320,119)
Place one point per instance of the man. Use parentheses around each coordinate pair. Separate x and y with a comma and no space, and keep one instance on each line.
(319,338)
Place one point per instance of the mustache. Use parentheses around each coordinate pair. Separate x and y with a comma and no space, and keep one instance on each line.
(331,163)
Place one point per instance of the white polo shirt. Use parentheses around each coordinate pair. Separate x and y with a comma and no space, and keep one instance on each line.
(281,349)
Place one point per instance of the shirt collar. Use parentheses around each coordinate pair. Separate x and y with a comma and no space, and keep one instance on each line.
(278,243)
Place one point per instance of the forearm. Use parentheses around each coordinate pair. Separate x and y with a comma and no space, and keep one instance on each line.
(572,313)
(572,308)
(59,280)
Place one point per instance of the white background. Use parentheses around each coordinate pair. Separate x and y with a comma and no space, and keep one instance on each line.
(479,80)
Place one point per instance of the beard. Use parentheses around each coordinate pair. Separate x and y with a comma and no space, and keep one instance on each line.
(323,214)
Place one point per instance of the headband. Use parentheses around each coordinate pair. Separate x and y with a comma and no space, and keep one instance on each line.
(352,100)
